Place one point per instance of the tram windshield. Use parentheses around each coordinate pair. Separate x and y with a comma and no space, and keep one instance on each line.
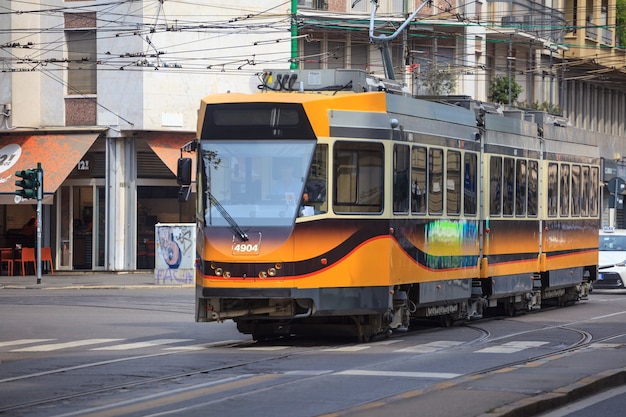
(255,183)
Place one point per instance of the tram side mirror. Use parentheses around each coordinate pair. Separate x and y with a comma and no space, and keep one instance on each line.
(183,176)
(183,193)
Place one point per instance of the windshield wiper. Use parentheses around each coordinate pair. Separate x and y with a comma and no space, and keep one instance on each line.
(234,227)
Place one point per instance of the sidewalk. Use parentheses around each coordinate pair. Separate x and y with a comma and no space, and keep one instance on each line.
(92,280)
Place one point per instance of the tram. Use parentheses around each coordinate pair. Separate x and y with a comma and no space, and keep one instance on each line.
(333,202)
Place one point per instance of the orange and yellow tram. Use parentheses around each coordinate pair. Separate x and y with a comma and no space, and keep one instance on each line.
(340,205)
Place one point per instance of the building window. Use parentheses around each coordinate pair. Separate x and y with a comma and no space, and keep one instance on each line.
(336,55)
(81,53)
(358,57)
(312,52)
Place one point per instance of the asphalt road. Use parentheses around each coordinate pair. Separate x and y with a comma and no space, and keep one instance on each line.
(138,352)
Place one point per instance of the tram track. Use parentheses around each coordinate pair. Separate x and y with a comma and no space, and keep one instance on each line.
(483,336)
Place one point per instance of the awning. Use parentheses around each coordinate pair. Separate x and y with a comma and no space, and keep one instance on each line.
(167,147)
(58,154)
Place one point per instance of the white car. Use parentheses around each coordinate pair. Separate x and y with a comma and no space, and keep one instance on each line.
(611,259)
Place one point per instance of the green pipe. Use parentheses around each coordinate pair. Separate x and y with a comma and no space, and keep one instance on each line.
(294,35)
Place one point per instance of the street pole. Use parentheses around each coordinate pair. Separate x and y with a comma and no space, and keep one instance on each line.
(294,35)
(39,198)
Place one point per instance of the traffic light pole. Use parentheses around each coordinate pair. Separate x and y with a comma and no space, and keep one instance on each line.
(39,198)
(31,186)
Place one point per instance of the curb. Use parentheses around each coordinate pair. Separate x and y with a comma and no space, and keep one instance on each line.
(562,396)
(92,287)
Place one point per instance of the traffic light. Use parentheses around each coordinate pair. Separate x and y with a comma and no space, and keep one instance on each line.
(29,183)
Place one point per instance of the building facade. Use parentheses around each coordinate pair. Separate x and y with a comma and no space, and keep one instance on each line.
(104,94)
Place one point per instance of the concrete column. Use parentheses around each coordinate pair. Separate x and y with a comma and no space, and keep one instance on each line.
(121,203)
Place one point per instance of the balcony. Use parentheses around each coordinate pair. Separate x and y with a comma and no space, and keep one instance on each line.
(529,16)
(592,32)
(313,4)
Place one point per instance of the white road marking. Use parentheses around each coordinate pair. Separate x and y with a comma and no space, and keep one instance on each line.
(606,345)
(347,348)
(512,347)
(430,347)
(147,343)
(312,372)
(265,348)
(436,375)
(65,345)
(23,342)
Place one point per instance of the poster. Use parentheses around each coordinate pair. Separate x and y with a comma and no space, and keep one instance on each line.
(174,260)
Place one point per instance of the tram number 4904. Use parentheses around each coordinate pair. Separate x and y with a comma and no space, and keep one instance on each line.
(246,248)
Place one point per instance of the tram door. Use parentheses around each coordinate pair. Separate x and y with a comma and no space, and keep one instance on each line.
(81,227)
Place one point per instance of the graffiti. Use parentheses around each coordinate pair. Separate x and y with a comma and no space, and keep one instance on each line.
(174,276)
(175,253)
(185,239)
(168,247)
(455,238)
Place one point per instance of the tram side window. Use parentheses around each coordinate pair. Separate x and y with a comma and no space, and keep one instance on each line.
(575,190)
(314,198)
(521,176)
(553,189)
(593,192)
(470,184)
(453,182)
(564,187)
(495,185)
(401,179)
(533,182)
(508,197)
(584,199)
(435,186)
(418,179)
(358,169)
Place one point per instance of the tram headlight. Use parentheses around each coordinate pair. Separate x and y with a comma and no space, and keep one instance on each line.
(219,272)
(263,274)
(278,266)
(271,272)
(226,274)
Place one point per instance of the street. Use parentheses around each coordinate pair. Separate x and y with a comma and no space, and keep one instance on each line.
(132,352)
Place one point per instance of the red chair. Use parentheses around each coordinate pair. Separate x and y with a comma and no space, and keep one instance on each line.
(46,256)
(6,256)
(28,256)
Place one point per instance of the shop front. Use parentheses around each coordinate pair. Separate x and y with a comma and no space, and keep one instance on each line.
(102,196)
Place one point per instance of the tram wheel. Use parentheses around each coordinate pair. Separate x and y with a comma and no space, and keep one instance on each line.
(509,309)
(446,320)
